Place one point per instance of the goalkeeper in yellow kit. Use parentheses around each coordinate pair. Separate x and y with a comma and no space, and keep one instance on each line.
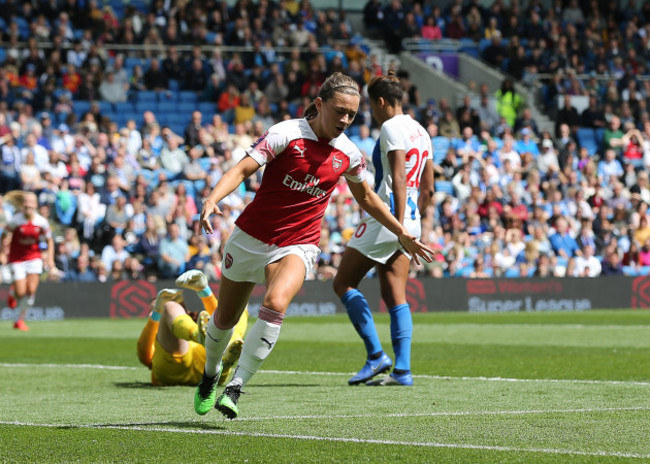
(171,342)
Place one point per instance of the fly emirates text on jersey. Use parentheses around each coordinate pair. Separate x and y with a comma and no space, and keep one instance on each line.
(308,185)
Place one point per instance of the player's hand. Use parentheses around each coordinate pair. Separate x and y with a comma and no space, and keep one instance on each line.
(416,248)
(209,208)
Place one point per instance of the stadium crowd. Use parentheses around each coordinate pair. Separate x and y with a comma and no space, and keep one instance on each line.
(122,142)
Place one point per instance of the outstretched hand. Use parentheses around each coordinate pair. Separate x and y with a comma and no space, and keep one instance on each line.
(416,248)
(209,207)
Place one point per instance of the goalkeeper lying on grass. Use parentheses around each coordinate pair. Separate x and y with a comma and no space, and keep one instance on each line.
(171,342)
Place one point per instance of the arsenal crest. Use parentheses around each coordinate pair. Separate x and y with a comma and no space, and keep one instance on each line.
(337,162)
(227,261)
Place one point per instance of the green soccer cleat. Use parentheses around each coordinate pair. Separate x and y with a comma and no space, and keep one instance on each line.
(227,402)
(206,392)
(192,280)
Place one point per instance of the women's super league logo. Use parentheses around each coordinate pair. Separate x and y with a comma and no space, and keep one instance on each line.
(131,299)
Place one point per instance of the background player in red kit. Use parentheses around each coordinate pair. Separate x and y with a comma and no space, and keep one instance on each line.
(275,241)
(26,231)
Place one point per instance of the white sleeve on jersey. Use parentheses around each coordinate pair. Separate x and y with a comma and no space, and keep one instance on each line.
(391,138)
(46,231)
(357,169)
(267,147)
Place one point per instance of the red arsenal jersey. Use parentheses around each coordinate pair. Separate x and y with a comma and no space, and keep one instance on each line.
(301,173)
(26,236)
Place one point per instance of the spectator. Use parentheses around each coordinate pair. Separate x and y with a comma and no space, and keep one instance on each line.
(81,271)
(155,77)
(172,158)
(509,102)
(114,252)
(563,243)
(612,264)
(112,90)
(174,253)
(567,115)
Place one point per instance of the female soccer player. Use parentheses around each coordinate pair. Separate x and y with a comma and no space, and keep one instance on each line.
(404,170)
(275,241)
(27,230)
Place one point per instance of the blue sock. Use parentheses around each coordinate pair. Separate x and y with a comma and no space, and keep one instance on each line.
(401,332)
(361,317)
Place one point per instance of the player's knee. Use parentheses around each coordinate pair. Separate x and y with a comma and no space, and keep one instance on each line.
(277,303)
(340,287)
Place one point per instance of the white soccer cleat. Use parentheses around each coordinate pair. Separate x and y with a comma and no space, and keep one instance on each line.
(165,295)
(192,280)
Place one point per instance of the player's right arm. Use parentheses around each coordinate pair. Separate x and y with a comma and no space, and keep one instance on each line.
(397,161)
(5,241)
(229,182)
(426,187)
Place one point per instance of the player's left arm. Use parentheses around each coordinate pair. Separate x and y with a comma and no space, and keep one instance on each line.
(397,162)
(373,205)
(426,188)
(47,231)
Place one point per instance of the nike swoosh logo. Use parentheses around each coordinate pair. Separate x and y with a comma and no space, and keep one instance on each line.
(212,338)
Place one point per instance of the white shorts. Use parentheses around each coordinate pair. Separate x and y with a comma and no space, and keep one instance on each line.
(245,257)
(21,269)
(374,241)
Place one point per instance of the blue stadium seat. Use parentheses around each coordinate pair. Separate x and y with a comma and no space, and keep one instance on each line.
(167,107)
(105,106)
(187,96)
(444,186)
(142,106)
(587,138)
(440,146)
(512,273)
(186,107)
(630,271)
(123,107)
(146,96)
(205,163)
(81,107)
(208,109)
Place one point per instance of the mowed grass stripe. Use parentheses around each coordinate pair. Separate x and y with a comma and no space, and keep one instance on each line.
(598,453)
(302,373)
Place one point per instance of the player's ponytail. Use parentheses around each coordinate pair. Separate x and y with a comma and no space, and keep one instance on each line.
(337,82)
(388,87)
(16,198)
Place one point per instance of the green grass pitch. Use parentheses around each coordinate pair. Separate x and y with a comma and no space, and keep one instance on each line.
(506,388)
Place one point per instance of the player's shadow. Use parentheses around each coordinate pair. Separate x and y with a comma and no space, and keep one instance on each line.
(140,385)
(275,385)
(143,425)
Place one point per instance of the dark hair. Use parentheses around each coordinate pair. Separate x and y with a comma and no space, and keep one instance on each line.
(336,83)
(388,87)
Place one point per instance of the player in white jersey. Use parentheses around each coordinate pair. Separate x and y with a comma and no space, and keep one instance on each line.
(27,230)
(404,179)
(276,238)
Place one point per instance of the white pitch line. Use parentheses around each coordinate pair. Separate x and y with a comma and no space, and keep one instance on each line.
(447,414)
(71,366)
(347,374)
(484,379)
(600,453)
